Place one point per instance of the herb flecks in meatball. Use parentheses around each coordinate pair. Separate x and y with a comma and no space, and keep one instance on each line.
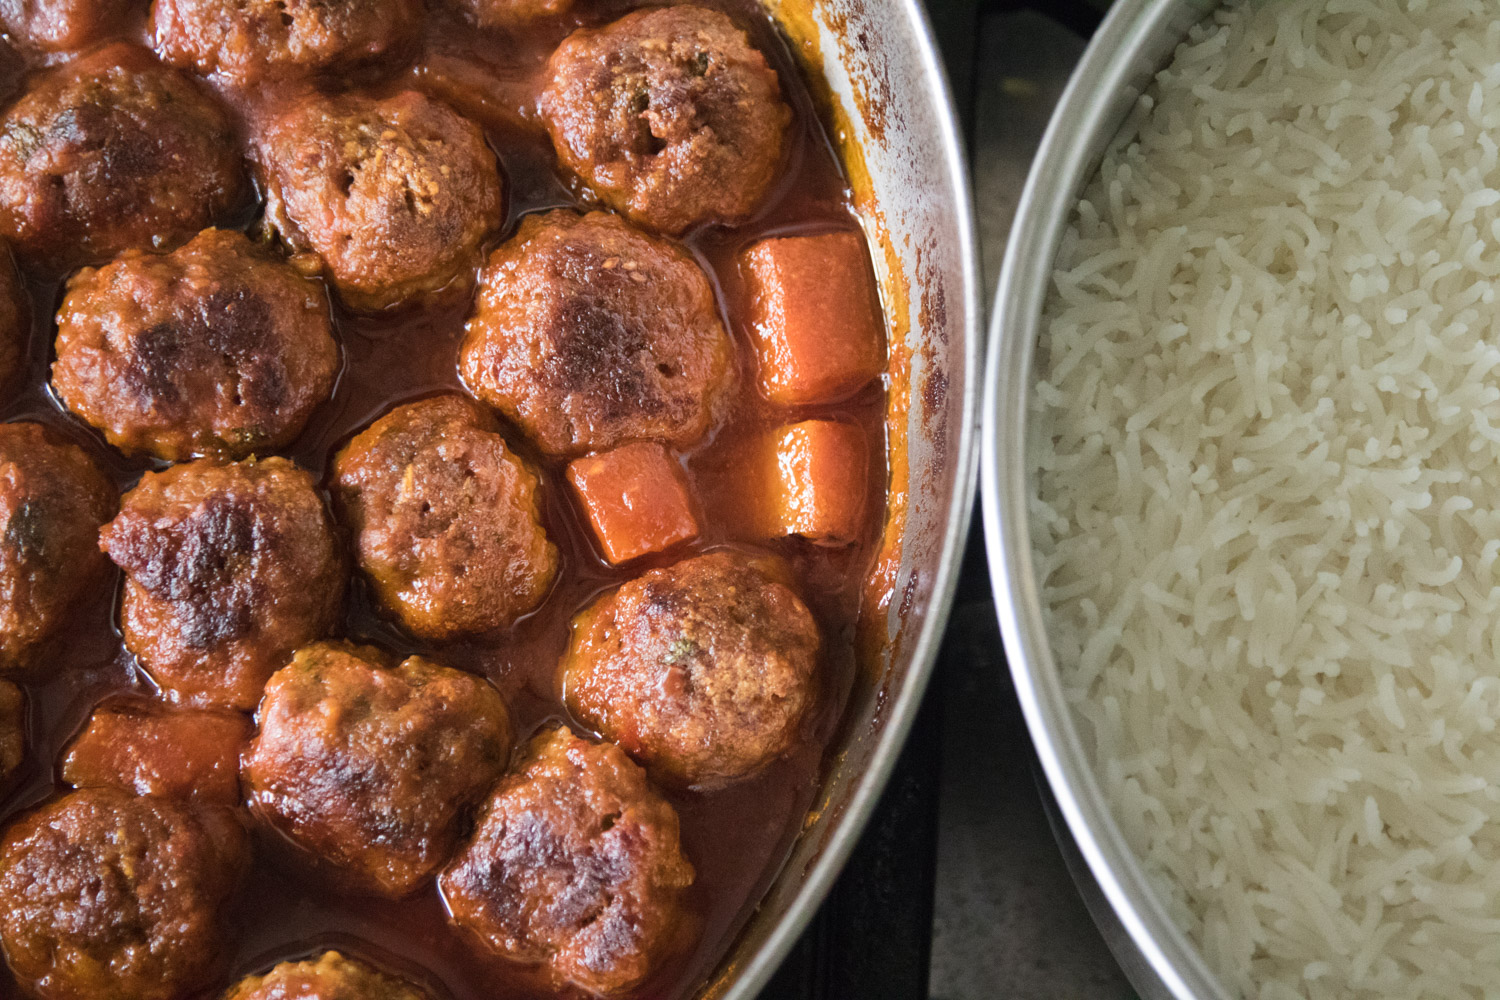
(109,152)
(109,896)
(246,41)
(703,671)
(669,115)
(446,518)
(330,976)
(373,767)
(230,567)
(576,864)
(214,349)
(53,498)
(394,195)
(589,334)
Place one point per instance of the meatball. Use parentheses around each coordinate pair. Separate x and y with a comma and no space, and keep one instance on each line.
(64,25)
(576,863)
(12,729)
(229,568)
(446,519)
(53,498)
(330,976)
(214,349)
(702,671)
(393,195)
(109,896)
(373,767)
(669,115)
(15,320)
(152,749)
(109,152)
(246,41)
(589,334)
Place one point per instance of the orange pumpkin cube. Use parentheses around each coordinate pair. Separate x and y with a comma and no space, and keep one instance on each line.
(816,475)
(637,500)
(815,317)
(152,749)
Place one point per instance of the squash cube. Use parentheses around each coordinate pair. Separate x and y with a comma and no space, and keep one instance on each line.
(637,499)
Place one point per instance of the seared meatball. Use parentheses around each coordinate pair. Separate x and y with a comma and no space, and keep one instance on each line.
(372,767)
(154,749)
(576,863)
(15,320)
(107,896)
(394,195)
(64,25)
(446,519)
(53,498)
(330,976)
(513,14)
(248,40)
(12,729)
(669,115)
(229,568)
(589,333)
(702,671)
(109,152)
(214,349)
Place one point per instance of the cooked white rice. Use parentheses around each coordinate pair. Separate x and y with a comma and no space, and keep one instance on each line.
(1266,449)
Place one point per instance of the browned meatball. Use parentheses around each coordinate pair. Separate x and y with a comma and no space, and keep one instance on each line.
(15,320)
(446,519)
(64,25)
(702,671)
(373,767)
(589,333)
(394,195)
(214,349)
(513,14)
(109,152)
(230,567)
(12,729)
(248,40)
(53,498)
(669,115)
(106,896)
(330,976)
(154,749)
(577,864)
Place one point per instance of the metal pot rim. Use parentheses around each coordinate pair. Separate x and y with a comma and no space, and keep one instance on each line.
(1126,51)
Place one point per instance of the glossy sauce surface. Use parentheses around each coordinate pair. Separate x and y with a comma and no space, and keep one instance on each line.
(735,837)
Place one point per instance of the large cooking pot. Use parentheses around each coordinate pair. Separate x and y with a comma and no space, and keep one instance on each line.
(1135,41)
(874,67)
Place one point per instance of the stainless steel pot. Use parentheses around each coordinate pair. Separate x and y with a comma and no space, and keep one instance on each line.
(1135,40)
(884,89)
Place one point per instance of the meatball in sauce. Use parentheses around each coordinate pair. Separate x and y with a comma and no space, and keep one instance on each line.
(214,349)
(446,519)
(109,896)
(246,41)
(113,151)
(64,25)
(702,670)
(589,333)
(372,767)
(669,115)
(229,568)
(330,976)
(53,498)
(576,864)
(393,195)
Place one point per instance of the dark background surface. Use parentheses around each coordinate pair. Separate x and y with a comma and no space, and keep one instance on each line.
(958,889)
